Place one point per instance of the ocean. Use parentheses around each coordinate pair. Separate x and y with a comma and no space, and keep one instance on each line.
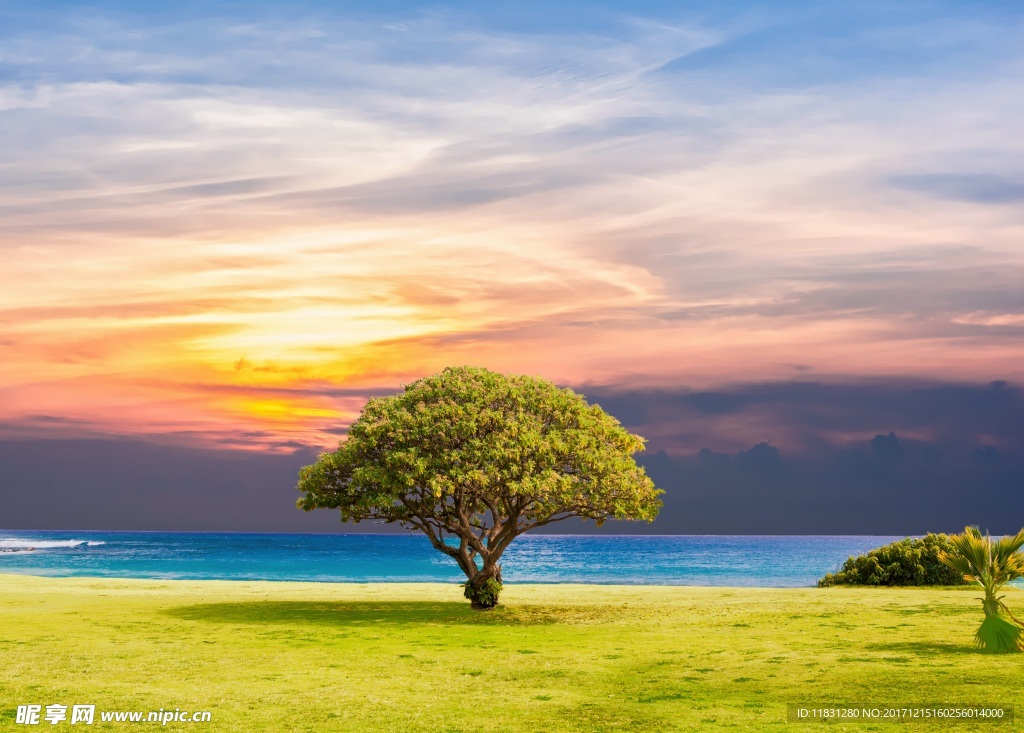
(714,560)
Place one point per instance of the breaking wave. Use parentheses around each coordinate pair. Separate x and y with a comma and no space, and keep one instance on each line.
(30,544)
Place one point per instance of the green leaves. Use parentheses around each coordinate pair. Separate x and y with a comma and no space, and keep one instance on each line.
(483,457)
(990,563)
(905,562)
(483,595)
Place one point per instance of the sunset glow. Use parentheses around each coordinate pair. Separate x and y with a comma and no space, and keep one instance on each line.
(234,232)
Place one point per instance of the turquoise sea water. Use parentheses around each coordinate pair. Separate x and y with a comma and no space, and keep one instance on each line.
(767,561)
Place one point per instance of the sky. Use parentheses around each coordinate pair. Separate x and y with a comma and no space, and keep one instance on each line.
(224,226)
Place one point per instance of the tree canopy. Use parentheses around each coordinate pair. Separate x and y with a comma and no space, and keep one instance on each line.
(474,458)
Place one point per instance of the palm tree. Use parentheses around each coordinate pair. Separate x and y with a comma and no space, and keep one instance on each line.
(991,564)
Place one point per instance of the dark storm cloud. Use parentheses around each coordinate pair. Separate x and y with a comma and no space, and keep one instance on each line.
(884,485)
(803,414)
(810,457)
(883,457)
(124,484)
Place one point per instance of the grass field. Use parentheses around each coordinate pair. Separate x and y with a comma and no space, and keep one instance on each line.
(401,657)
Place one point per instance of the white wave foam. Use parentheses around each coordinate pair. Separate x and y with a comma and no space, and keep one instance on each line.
(93,544)
(23,544)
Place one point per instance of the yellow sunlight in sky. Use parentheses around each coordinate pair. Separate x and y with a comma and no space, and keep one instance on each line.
(242,264)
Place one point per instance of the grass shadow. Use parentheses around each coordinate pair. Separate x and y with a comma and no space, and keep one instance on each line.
(925,648)
(369,613)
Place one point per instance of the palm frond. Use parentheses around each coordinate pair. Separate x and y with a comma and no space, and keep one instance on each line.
(998,635)
(960,564)
(1006,555)
(970,554)
(991,563)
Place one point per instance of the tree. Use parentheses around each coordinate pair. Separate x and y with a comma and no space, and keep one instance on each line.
(473,459)
(991,564)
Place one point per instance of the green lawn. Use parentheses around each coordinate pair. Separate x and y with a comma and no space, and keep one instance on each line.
(414,657)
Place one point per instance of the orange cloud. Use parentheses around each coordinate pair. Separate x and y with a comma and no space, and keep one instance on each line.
(243,263)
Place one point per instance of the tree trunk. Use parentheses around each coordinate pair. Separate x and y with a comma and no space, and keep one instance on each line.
(483,588)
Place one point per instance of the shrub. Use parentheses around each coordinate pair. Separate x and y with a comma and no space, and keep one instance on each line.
(906,562)
(485,595)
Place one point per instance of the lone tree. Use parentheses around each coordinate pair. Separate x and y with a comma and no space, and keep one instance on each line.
(473,459)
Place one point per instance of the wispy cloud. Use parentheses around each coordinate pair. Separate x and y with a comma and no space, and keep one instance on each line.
(354,199)
(971,187)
